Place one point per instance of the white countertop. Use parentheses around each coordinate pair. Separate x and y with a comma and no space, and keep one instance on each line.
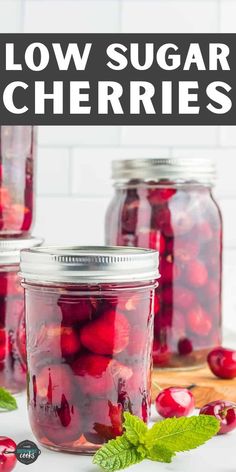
(218,455)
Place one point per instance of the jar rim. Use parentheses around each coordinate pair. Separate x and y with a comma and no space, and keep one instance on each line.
(183,170)
(10,248)
(89,264)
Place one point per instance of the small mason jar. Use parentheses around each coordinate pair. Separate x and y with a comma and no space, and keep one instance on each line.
(17,155)
(89,324)
(167,205)
(12,326)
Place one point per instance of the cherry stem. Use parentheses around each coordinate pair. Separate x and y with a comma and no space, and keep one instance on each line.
(191,387)
(157,386)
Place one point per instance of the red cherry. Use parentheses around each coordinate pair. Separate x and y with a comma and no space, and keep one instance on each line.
(162,220)
(157,196)
(54,383)
(75,310)
(108,334)
(223,411)
(199,321)
(196,273)
(7,461)
(98,375)
(222,362)
(174,401)
(183,297)
(60,424)
(185,347)
(59,340)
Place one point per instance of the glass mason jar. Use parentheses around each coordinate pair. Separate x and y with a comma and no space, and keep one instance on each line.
(17,154)
(167,204)
(12,327)
(89,324)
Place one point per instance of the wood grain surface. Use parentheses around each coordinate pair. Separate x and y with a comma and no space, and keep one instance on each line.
(207,387)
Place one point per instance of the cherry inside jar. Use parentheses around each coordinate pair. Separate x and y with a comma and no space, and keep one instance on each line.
(168,205)
(12,321)
(89,342)
(17,154)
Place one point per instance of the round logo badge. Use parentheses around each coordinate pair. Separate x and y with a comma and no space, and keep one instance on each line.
(27,452)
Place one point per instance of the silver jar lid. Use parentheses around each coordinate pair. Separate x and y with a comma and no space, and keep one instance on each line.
(10,248)
(89,264)
(181,170)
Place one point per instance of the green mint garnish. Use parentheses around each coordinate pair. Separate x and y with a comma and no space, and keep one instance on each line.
(7,401)
(160,443)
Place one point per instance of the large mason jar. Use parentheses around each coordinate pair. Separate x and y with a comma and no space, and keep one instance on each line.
(17,155)
(168,205)
(89,325)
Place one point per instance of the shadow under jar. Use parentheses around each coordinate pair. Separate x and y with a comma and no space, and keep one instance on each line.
(17,154)
(89,324)
(167,205)
(12,326)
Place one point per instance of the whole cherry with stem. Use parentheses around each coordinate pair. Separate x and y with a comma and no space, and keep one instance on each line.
(224,411)
(7,456)
(174,401)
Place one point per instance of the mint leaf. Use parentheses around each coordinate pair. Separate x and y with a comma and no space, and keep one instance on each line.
(160,454)
(182,434)
(7,401)
(135,428)
(117,454)
(160,443)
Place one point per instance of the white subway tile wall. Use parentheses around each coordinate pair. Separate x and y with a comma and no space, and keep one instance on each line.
(73,178)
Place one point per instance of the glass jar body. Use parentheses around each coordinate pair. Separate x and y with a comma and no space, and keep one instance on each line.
(17,154)
(12,331)
(183,222)
(89,352)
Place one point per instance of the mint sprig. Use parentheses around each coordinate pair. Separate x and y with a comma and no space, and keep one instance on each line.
(7,401)
(160,443)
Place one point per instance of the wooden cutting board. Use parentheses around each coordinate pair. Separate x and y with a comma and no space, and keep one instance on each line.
(207,387)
